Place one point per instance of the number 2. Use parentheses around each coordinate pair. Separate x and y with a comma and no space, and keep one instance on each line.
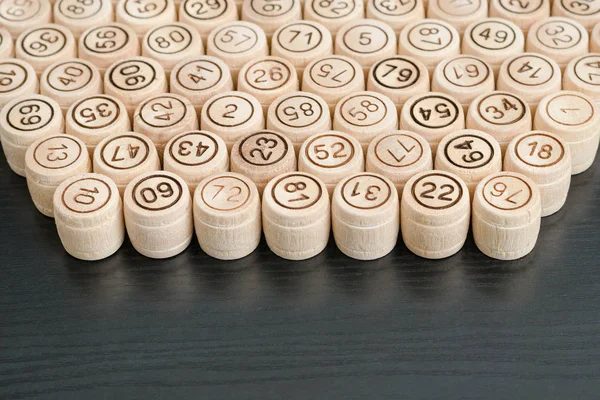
(433,187)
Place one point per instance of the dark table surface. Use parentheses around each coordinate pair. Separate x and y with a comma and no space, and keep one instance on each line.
(326,328)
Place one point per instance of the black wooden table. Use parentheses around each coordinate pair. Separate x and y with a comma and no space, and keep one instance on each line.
(327,328)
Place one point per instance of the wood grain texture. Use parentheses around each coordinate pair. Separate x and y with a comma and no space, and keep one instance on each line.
(383,43)
(574,77)
(445,43)
(135,88)
(566,10)
(159,44)
(7,44)
(531,88)
(325,15)
(125,39)
(535,11)
(397,17)
(184,80)
(36,13)
(583,114)
(269,19)
(69,80)
(465,88)
(25,82)
(63,46)
(457,14)
(262,328)
(127,13)
(78,20)
(225,11)
(218,45)
(595,39)
(537,39)
(326,86)
(304,52)
(475,44)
